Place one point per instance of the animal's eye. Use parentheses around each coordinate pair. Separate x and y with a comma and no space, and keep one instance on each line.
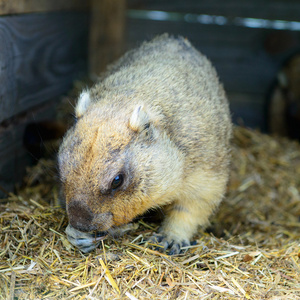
(117,182)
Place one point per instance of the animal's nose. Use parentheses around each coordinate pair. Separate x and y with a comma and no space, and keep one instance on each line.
(83,219)
(80,217)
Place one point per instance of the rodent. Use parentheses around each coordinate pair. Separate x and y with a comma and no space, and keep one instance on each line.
(283,103)
(153,132)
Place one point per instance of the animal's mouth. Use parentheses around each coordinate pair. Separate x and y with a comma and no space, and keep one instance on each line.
(85,241)
(88,241)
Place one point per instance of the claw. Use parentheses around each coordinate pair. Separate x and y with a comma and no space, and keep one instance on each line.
(175,249)
(163,242)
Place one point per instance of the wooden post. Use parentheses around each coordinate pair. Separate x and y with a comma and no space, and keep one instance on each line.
(106,33)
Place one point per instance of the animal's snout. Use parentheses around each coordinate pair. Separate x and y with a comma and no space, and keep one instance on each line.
(83,219)
(80,217)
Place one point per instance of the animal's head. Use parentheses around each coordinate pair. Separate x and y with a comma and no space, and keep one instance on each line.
(115,165)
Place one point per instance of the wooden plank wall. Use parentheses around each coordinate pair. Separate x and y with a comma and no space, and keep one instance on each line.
(41,54)
(266,9)
(246,58)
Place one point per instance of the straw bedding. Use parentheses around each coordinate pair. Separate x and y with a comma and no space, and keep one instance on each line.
(250,251)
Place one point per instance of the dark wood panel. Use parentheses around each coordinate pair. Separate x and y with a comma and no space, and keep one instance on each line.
(14,157)
(245,65)
(212,35)
(40,56)
(248,109)
(267,9)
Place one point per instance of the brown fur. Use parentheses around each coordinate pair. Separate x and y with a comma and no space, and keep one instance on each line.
(160,117)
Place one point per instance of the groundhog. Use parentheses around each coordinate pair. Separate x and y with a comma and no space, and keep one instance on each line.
(153,133)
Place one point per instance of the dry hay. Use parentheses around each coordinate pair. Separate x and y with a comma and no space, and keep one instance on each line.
(251,250)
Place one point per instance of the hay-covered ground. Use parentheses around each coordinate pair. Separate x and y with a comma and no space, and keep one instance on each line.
(251,250)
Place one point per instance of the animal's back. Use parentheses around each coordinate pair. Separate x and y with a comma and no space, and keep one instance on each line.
(172,77)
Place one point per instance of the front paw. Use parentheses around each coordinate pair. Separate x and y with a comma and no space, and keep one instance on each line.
(163,242)
(84,241)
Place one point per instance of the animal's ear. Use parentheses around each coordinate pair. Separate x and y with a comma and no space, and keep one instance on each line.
(139,119)
(83,103)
